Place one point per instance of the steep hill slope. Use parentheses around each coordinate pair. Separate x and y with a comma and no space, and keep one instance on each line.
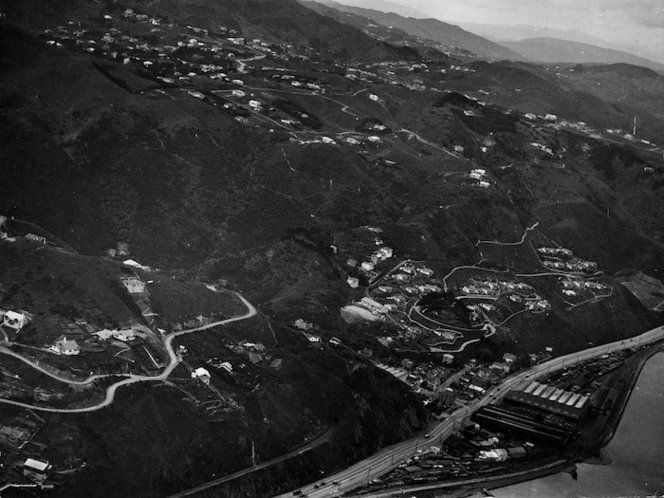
(275,20)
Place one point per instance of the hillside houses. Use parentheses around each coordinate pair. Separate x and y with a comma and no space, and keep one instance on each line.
(201,374)
(134,285)
(65,346)
(125,335)
(14,320)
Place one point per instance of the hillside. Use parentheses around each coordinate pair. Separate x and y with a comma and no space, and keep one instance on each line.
(284,21)
(554,50)
(447,36)
(389,34)
(300,227)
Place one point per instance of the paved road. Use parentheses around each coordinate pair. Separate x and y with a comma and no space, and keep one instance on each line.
(389,458)
(128,379)
(430,144)
(322,439)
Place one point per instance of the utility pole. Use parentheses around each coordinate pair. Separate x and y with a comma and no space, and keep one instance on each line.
(634,127)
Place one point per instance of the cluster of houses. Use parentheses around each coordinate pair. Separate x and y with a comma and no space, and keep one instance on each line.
(560,258)
(573,286)
(478,175)
(543,148)
(182,60)
(517,293)
(496,287)
(441,384)
(559,252)
(307,329)
(575,265)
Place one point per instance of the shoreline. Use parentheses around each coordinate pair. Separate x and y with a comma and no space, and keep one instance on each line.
(597,454)
(593,454)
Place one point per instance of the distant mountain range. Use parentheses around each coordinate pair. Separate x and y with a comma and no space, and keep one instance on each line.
(554,50)
(503,32)
(446,35)
(385,6)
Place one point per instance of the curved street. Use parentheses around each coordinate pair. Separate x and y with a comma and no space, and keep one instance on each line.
(128,378)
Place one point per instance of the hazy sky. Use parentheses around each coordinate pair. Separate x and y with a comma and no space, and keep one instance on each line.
(635,23)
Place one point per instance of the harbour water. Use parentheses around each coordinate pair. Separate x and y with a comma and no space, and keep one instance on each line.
(636,450)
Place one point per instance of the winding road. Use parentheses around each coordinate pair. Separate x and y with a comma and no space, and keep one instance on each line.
(128,378)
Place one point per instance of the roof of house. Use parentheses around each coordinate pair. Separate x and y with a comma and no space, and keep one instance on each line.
(200,372)
(13,315)
(36,464)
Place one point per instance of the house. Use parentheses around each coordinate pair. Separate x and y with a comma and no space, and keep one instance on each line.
(104,334)
(124,335)
(134,285)
(367,266)
(255,358)
(238,93)
(201,374)
(509,358)
(14,320)
(303,325)
(135,264)
(334,341)
(14,436)
(448,358)
(314,339)
(64,346)
(385,252)
(36,238)
(226,366)
(256,346)
(36,470)
(276,363)
(373,306)
(353,282)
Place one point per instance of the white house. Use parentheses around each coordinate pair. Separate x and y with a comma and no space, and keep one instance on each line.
(104,334)
(36,238)
(135,264)
(353,282)
(201,374)
(314,339)
(36,470)
(64,346)
(124,335)
(134,285)
(367,266)
(14,320)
